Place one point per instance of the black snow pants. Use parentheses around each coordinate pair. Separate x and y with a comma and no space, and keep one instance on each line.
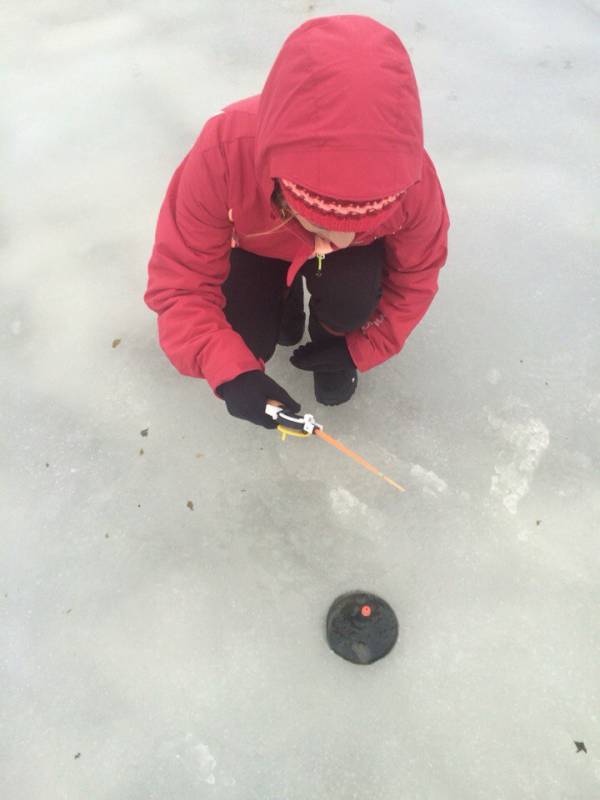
(342,297)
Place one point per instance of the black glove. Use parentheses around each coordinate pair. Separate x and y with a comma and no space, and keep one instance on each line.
(329,356)
(246,397)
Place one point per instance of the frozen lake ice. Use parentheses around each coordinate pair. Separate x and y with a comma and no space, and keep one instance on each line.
(162,612)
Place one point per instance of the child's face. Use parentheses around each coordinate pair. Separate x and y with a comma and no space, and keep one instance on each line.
(339,238)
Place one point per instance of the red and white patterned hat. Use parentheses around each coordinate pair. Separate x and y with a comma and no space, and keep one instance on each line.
(338,215)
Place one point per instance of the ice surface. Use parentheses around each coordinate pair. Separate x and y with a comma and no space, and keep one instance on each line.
(151,650)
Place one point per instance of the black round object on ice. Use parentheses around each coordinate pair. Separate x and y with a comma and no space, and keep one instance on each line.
(361,627)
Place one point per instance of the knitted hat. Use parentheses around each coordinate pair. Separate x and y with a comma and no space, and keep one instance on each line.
(338,215)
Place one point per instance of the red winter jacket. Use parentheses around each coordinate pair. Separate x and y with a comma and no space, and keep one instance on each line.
(339,114)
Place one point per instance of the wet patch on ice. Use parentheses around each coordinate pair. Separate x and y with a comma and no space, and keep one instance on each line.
(349,508)
(526,441)
(345,503)
(195,757)
(205,763)
(432,483)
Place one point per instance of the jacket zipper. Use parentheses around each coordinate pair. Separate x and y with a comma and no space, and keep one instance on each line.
(320,258)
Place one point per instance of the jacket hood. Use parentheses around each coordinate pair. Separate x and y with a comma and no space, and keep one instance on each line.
(339,112)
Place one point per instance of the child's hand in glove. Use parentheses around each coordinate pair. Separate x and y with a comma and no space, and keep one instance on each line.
(247,395)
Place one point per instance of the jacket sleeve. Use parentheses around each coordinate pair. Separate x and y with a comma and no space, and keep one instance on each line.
(413,256)
(188,265)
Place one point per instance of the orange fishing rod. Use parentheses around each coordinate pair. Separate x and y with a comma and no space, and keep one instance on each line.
(302,426)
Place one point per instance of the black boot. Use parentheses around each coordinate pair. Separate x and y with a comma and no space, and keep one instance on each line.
(331,388)
(294,318)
